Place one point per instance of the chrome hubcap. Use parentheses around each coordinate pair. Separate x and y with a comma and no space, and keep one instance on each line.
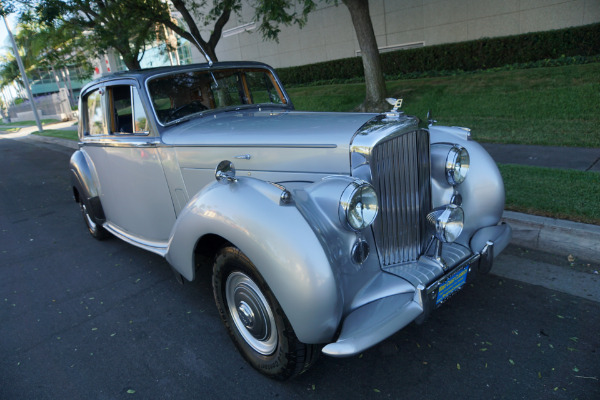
(251,313)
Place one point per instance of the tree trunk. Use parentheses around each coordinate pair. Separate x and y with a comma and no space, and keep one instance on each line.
(130,59)
(374,81)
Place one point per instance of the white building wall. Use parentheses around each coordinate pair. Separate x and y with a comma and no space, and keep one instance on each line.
(329,34)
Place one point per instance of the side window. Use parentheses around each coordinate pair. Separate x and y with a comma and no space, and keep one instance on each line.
(95,114)
(140,121)
(128,116)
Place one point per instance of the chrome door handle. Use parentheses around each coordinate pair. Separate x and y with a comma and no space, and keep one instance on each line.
(243,157)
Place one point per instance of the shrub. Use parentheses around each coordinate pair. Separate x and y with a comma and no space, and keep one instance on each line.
(583,41)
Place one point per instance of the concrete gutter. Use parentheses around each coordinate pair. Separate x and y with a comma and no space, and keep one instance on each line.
(555,236)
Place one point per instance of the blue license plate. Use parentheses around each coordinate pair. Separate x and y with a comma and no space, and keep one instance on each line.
(452,284)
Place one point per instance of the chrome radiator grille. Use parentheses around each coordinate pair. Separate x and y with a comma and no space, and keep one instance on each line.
(400,174)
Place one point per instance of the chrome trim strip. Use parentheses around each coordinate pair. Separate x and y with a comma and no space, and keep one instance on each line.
(277,146)
(159,248)
(118,142)
(112,142)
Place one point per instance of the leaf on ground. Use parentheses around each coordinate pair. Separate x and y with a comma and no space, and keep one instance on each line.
(560,317)
(575,369)
(511,362)
(458,366)
(130,391)
(377,390)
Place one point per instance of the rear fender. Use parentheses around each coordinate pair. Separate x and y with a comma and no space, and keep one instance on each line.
(85,182)
(250,214)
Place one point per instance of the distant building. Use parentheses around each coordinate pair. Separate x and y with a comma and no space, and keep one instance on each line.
(398,24)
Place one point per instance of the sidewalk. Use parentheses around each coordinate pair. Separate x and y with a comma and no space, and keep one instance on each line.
(580,158)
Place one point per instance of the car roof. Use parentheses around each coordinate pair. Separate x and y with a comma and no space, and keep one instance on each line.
(143,74)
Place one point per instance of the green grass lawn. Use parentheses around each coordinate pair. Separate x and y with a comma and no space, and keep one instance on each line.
(557,106)
(550,192)
(71,135)
(29,123)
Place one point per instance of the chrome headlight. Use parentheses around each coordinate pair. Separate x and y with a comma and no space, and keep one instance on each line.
(457,165)
(447,221)
(358,205)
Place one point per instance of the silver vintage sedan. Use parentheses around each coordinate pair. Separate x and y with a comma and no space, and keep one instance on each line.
(325,232)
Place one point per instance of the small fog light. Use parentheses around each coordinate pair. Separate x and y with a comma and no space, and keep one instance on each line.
(447,222)
(360,251)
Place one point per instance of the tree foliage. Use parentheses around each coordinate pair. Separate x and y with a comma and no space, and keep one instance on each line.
(99,25)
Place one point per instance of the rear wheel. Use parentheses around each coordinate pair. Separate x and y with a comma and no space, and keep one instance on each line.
(255,320)
(94,227)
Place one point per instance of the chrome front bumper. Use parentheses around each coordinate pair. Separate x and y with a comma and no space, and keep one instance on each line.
(377,320)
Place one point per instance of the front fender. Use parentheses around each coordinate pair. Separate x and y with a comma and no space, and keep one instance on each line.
(276,238)
(482,191)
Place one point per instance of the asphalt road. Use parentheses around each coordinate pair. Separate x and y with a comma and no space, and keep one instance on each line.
(82,319)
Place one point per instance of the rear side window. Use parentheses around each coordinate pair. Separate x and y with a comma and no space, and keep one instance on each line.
(96,124)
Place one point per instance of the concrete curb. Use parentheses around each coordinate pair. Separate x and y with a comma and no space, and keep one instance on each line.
(59,141)
(555,235)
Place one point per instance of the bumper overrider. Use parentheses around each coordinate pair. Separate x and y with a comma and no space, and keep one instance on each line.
(379,319)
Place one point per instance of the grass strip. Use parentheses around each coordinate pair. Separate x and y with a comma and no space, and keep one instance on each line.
(58,133)
(29,123)
(550,192)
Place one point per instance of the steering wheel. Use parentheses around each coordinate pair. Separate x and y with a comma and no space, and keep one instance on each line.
(194,106)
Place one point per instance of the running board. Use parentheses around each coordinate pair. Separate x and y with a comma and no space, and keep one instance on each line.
(159,248)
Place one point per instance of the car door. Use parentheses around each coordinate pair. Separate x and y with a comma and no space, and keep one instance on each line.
(124,151)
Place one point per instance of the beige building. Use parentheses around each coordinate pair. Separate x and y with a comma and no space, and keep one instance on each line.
(398,24)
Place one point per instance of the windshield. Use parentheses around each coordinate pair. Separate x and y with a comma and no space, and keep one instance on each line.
(182,94)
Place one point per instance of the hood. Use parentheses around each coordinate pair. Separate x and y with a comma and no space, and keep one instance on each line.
(278,146)
(268,128)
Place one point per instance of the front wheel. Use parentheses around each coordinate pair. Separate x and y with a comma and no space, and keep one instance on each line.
(255,320)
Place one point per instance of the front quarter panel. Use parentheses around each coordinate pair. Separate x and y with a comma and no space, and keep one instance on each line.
(482,192)
(276,238)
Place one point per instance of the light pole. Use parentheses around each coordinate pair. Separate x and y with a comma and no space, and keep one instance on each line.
(24,75)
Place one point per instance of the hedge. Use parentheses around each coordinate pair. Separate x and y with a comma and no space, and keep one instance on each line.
(464,56)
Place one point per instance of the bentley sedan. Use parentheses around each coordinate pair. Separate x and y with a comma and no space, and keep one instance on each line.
(323,232)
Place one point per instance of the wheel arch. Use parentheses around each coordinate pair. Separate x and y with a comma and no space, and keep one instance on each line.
(276,238)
